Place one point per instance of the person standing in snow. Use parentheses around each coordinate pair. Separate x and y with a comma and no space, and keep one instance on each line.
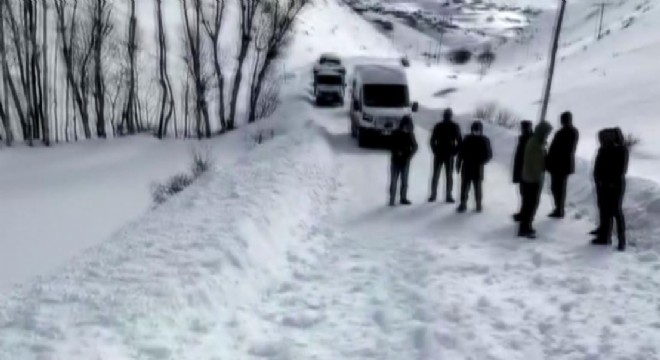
(604,139)
(561,162)
(533,173)
(525,134)
(474,154)
(403,147)
(610,173)
(445,142)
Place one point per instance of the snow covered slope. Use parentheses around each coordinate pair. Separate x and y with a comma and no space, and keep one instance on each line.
(58,202)
(610,82)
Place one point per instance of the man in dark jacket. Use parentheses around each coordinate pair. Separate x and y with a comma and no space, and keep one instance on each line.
(403,147)
(474,154)
(445,142)
(561,162)
(533,174)
(526,132)
(604,139)
(610,175)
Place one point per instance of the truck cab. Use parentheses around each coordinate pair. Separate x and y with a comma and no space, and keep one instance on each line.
(379,100)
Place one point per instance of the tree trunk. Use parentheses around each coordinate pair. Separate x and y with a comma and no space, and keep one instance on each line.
(130,109)
(167,98)
(44,53)
(236,85)
(99,83)
(9,134)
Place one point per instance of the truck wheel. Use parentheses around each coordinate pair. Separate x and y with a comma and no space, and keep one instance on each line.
(362,137)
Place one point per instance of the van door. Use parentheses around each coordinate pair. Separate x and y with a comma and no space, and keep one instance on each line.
(356,106)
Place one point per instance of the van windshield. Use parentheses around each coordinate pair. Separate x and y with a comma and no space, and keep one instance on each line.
(387,96)
(329,61)
(329,80)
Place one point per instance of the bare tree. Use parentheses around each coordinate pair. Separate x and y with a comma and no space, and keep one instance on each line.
(213,30)
(167,96)
(248,11)
(485,59)
(277,20)
(194,61)
(45,118)
(130,112)
(100,14)
(76,53)
(19,35)
(4,102)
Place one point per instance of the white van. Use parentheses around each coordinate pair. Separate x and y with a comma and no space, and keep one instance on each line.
(379,101)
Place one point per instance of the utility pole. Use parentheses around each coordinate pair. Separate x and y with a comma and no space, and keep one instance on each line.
(551,65)
(601,6)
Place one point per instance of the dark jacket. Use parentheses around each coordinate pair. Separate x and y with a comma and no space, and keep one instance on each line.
(534,161)
(403,146)
(519,157)
(475,152)
(561,154)
(446,138)
(611,165)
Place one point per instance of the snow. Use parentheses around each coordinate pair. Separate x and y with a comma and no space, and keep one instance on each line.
(59,201)
(288,250)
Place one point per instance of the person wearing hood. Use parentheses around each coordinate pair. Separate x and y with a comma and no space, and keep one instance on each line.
(610,176)
(445,143)
(474,154)
(403,147)
(533,174)
(526,131)
(604,139)
(561,162)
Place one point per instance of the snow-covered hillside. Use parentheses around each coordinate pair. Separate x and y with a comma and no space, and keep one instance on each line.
(287,250)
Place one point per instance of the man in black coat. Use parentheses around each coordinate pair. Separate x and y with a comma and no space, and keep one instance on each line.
(526,132)
(474,154)
(561,162)
(445,142)
(610,176)
(403,147)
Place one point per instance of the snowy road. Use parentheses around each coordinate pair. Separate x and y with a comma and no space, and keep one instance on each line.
(426,283)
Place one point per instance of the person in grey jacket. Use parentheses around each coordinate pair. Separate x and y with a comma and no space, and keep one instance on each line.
(533,176)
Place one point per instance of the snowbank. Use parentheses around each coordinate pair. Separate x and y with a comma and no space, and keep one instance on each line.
(162,287)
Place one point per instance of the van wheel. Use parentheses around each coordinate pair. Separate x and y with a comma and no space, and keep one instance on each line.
(362,137)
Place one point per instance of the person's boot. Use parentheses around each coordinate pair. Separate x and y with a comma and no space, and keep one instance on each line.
(392,202)
(432,198)
(621,246)
(517,217)
(405,202)
(479,208)
(461,208)
(527,233)
(595,231)
(556,214)
(600,241)
(450,200)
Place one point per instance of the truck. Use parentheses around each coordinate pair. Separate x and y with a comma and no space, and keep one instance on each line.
(330,86)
